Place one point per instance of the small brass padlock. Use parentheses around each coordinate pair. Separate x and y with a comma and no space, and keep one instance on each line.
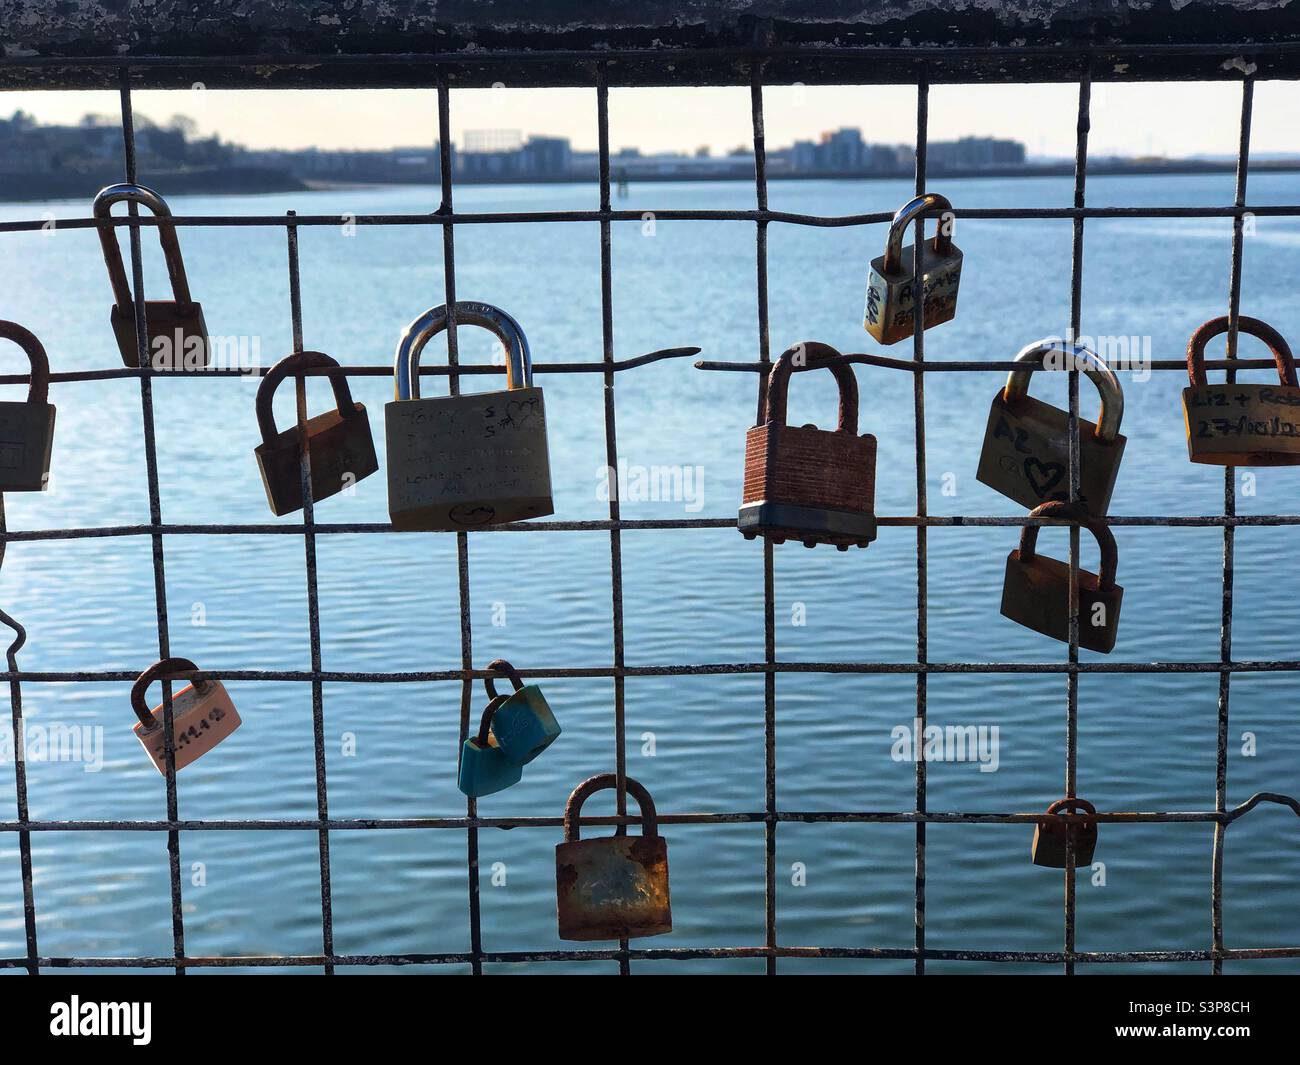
(1052,831)
(1026,451)
(1242,424)
(484,769)
(1036,591)
(457,462)
(339,444)
(615,887)
(178,336)
(889,313)
(202,714)
(804,483)
(524,725)
(27,429)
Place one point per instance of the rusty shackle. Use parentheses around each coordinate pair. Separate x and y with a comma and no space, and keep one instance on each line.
(1073,514)
(500,665)
(406,363)
(485,723)
(166,669)
(39,389)
(145,197)
(1251,327)
(810,355)
(301,360)
(1074,804)
(926,204)
(1085,359)
(601,781)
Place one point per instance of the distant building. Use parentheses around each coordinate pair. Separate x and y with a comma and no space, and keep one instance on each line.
(976,152)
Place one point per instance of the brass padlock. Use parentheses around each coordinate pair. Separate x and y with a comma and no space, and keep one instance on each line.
(202,714)
(1026,450)
(1242,424)
(1036,590)
(457,462)
(1052,832)
(338,441)
(177,334)
(804,483)
(615,887)
(27,429)
(889,313)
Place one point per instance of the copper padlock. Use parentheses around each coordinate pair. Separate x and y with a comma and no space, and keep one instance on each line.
(177,335)
(804,483)
(202,714)
(1052,832)
(1036,590)
(339,443)
(890,312)
(615,887)
(1242,424)
(27,429)
(1026,449)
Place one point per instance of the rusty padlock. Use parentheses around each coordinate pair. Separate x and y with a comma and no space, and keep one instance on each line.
(804,483)
(1242,424)
(890,312)
(1026,449)
(202,714)
(27,429)
(177,334)
(457,462)
(1036,590)
(615,887)
(1052,831)
(339,444)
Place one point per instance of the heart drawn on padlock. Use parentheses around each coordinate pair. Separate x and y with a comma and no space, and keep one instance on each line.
(522,413)
(1049,477)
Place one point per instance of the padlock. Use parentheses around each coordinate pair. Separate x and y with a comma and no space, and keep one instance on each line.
(1052,831)
(177,334)
(458,462)
(1242,424)
(523,725)
(1036,590)
(889,313)
(1026,452)
(483,768)
(804,483)
(202,714)
(338,441)
(27,429)
(615,887)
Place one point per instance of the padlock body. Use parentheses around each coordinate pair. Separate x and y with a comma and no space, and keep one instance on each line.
(524,726)
(200,720)
(890,314)
(1036,594)
(613,888)
(342,453)
(458,462)
(1049,843)
(1243,425)
(1026,455)
(178,336)
(485,770)
(26,439)
(809,484)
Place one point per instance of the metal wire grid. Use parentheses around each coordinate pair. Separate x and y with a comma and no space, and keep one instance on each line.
(618,671)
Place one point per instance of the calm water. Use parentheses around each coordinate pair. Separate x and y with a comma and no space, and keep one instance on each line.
(389,602)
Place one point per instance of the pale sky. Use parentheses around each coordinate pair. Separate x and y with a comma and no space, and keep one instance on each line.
(1127,119)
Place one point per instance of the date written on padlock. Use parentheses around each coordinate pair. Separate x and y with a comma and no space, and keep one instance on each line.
(27,429)
(1053,833)
(890,312)
(202,714)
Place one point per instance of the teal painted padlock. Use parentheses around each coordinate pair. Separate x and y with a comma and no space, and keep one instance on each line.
(484,768)
(524,725)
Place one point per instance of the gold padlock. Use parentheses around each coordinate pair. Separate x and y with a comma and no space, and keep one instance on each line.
(890,312)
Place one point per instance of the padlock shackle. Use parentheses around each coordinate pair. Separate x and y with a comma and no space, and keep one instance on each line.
(301,360)
(1251,327)
(1074,514)
(927,203)
(39,389)
(772,404)
(601,781)
(485,723)
(166,669)
(500,665)
(406,363)
(145,197)
(1074,804)
(1082,358)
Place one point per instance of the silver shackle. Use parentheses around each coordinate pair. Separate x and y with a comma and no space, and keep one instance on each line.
(1080,358)
(406,364)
